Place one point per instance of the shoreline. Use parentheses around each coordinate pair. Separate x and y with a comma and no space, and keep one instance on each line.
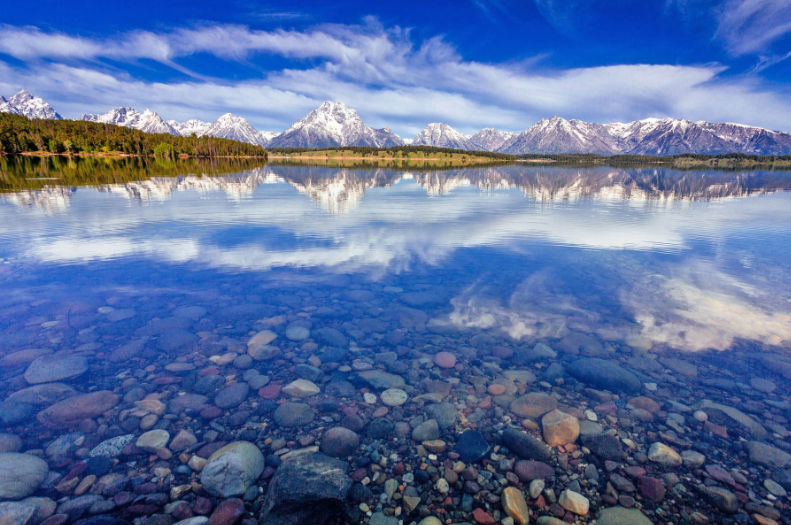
(124,155)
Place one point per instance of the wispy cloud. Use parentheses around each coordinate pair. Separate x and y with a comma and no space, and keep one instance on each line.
(390,78)
(751,26)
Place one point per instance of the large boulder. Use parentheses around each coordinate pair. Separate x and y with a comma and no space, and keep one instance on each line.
(307,489)
(604,374)
(78,408)
(21,475)
(55,367)
(232,469)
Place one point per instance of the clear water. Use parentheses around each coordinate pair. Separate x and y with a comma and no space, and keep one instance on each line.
(645,262)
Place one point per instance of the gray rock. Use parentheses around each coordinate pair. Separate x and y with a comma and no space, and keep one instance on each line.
(17,512)
(307,489)
(604,374)
(382,380)
(426,431)
(329,337)
(21,475)
(232,469)
(444,413)
(232,395)
(55,367)
(339,442)
(526,446)
(294,415)
(622,516)
(42,395)
(768,455)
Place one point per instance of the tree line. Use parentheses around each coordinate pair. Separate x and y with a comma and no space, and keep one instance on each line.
(18,134)
(394,151)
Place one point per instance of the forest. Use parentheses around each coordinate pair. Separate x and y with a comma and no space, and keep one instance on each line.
(18,134)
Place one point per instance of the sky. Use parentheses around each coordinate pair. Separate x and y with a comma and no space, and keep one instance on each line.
(468,63)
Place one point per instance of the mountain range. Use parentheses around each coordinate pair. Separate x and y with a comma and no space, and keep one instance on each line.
(333,124)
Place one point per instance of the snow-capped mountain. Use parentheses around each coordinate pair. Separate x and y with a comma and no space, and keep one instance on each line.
(442,136)
(330,125)
(646,137)
(147,121)
(190,127)
(23,103)
(232,127)
(490,139)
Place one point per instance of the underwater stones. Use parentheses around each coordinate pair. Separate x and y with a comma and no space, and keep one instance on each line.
(471,446)
(44,394)
(17,512)
(380,380)
(10,443)
(576,343)
(393,397)
(339,389)
(533,405)
(755,428)
(426,431)
(153,440)
(622,516)
(183,440)
(232,469)
(128,350)
(208,383)
(721,498)
(380,428)
(329,337)
(515,505)
(307,489)
(768,455)
(528,471)
(21,475)
(606,446)
(444,413)
(574,502)
(55,367)
(111,448)
(294,415)
(263,352)
(339,442)
(604,375)
(301,388)
(297,333)
(664,455)
(15,413)
(526,446)
(680,366)
(77,408)
(187,402)
(262,338)
(176,339)
(560,428)
(232,395)
(445,360)
(520,376)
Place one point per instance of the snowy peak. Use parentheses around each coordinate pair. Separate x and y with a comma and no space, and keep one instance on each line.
(442,136)
(490,139)
(231,127)
(332,124)
(190,127)
(148,121)
(23,103)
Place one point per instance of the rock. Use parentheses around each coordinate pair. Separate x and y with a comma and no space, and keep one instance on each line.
(682,367)
(297,333)
(604,374)
(41,395)
(176,340)
(445,360)
(232,395)
(380,428)
(10,443)
(294,415)
(263,352)
(232,469)
(755,428)
(721,498)
(426,431)
(393,397)
(533,405)
(264,337)
(560,428)
(651,488)
(112,447)
(664,455)
(55,367)
(78,408)
(622,516)
(526,446)
(329,337)
(765,454)
(692,459)
(339,442)
(380,518)
(228,512)
(301,388)
(482,517)
(12,414)
(307,489)
(183,440)
(153,440)
(471,446)
(606,446)
(444,413)
(528,471)
(515,505)
(21,475)
(17,512)
(574,502)
(430,520)
(382,380)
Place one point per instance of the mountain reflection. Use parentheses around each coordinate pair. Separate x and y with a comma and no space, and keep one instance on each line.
(339,190)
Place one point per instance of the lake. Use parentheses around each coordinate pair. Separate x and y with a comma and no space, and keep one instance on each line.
(610,341)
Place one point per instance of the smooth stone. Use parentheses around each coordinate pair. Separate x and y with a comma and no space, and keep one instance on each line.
(444,413)
(339,389)
(17,512)
(183,440)
(382,380)
(263,352)
(574,502)
(430,520)
(190,312)
(605,446)
(721,498)
(23,357)
(533,405)
(471,446)
(10,443)
(55,367)
(297,333)
(228,512)
(664,455)
(379,428)
(339,442)
(765,454)
(264,337)
(232,395)
(329,337)
(301,388)
(21,475)
(526,446)
(294,415)
(187,402)
(445,360)
(393,397)
(153,440)
(622,516)
(603,374)
(78,408)
(426,431)
(176,339)
(44,394)
(515,505)
(12,414)
(380,518)
(528,471)
(560,428)
(231,469)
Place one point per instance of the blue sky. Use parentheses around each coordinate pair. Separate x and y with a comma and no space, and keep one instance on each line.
(469,63)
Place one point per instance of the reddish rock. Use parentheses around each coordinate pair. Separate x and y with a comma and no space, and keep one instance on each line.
(715,429)
(73,410)
(482,517)
(530,470)
(210,448)
(269,391)
(228,512)
(211,412)
(398,469)
(496,389)
(720,474)
(486,403)
(380,412)
(56,519)
(606,408)
(651,488)
(166,380)
(182,511)
(445,360)
(212,371)
(645,403)
(202,506)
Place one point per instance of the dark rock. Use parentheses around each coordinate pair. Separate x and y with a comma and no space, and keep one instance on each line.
(605,446)
(526,446)
(294,415)
(604,374)
(339,442)
(329,337)
(471,446)
(232,395)
(527,471)
(228,512)
(380,428)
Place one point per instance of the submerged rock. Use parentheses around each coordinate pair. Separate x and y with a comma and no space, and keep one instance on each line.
(21,475)
(232,469)
(604,374)
(55,367)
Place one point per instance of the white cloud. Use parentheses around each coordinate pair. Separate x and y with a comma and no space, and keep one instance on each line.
(389,78)
(751,26)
